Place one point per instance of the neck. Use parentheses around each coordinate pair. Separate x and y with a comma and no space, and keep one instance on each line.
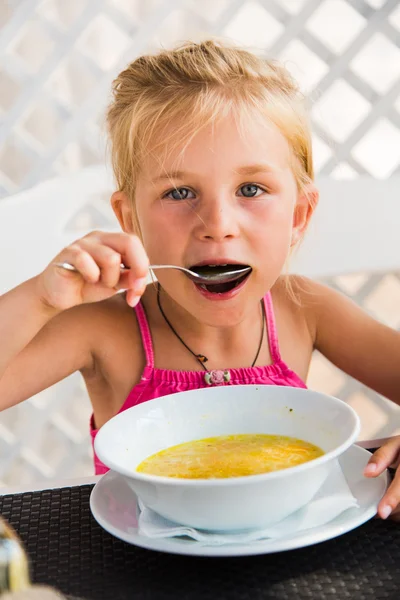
(225,347)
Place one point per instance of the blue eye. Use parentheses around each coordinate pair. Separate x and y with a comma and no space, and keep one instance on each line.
(179,194)
(249,190)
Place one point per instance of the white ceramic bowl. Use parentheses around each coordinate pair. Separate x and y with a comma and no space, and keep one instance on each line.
(232,503)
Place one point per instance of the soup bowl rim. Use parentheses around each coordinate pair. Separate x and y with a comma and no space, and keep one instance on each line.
(230,481)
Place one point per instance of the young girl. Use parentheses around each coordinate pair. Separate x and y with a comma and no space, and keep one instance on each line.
(212,154)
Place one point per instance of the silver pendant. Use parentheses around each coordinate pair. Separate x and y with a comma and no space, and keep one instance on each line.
(217,377)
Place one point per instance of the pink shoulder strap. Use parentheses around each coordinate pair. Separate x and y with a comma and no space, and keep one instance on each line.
(145,333)
(271,325)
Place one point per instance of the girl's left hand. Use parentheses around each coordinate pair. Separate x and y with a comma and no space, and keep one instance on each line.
(388,455)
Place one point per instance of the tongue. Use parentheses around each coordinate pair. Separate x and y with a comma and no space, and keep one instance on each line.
(220,288)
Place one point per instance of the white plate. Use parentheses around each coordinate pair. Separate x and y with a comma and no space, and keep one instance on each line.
(113,505)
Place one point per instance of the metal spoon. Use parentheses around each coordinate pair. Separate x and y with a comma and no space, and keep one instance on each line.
(208,275)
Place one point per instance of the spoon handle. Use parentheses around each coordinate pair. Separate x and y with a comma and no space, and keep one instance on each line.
(155,267)
(68,267)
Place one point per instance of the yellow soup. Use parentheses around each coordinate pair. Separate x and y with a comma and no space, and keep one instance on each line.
(230,456)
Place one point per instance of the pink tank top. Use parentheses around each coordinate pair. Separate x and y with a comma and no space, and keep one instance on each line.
(161,382)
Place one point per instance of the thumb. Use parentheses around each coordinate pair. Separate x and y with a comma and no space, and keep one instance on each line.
(383,458)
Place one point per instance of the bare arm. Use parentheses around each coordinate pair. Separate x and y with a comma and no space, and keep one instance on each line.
(59,349)
(45,323)
(22,314)
(353,341)
(368,351)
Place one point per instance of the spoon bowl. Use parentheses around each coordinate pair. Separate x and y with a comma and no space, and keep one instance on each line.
(207,275)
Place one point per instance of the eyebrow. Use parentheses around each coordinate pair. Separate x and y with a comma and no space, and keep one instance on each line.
(171,175)
(253,169)
(244,170)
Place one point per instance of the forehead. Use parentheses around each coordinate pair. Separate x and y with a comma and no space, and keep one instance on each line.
(220,147)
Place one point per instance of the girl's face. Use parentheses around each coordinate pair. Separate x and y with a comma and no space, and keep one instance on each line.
(230,198)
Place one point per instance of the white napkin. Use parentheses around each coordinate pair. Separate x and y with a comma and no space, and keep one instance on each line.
(333,498)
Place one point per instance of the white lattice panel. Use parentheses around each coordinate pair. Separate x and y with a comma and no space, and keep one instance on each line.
(57,62)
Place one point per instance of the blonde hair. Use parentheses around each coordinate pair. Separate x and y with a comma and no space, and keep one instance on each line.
(194,85)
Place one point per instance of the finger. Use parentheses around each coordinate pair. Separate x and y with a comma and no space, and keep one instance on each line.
(107,259)
(134,294)
(391,499)
(132,253)
(83,262)
(383,458)
(125,283)
(132,298)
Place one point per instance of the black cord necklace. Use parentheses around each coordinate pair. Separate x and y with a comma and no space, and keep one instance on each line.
(217,376)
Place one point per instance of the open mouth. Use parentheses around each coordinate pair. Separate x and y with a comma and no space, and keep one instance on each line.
(224,287)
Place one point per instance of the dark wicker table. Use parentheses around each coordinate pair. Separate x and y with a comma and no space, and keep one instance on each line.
(70,551)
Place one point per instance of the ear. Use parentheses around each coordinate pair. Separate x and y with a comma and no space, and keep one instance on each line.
(307,202)
(122,207)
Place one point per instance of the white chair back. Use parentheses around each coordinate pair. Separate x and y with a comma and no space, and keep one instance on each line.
(355,228)
(36,224)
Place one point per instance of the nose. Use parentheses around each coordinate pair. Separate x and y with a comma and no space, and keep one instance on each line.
(219,221)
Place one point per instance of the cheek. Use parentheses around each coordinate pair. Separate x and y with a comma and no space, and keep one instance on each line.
(162,238)
(272,232)
(273,222)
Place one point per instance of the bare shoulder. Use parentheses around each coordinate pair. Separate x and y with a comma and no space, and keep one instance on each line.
(296,322)
(118,356)
(325,309)
(100,326)
(350,338)
(106,312)
(110,325)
